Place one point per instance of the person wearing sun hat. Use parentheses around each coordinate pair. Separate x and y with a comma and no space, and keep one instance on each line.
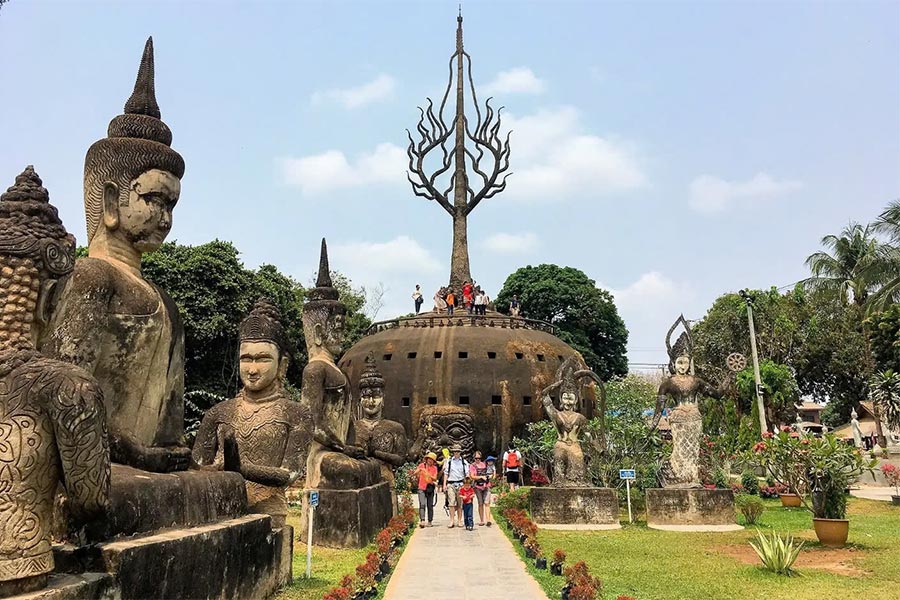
(427,475)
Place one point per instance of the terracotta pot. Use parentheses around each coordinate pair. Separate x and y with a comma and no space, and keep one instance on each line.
(832,532)
(895,500)
(790,500)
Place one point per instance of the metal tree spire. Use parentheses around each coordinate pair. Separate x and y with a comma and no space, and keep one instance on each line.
(434,136)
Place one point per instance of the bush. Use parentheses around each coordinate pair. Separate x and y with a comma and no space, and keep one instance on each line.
(752,507)
(517,500)
(750,482)
(776,553)
(720,479)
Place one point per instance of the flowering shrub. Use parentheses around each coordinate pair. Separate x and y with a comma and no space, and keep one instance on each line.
(559,556)
(892,476)
(578,577)
(339,593)
(517,499)
(538,477)
(773,491)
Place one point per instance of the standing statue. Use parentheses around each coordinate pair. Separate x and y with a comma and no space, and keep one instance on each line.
(333,462)
(568,457)
(382,439)
(108,319)
(52,423)
(683,389)
(798,425)
(854,426)
(261,433)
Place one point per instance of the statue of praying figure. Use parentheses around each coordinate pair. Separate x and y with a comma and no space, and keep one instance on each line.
(107,318)
(52,422)
(333,463)
(383,439)
(261,433)
(854,426)
(568,458)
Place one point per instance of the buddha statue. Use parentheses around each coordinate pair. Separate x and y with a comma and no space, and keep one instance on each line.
(52,421)
(261,433)
(568,457)
(107,318)
(683,389)
(334,462)
(382,439)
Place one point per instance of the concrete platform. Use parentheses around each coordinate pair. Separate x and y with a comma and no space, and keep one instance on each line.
(574,506)
(697,528)
(691,509)
(580,527)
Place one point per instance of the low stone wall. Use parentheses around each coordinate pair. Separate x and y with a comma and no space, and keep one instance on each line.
(676,506)
(575,505)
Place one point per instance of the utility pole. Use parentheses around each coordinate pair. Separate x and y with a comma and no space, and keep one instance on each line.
(759,396)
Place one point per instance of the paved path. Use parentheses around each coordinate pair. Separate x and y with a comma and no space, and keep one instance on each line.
(872,492)
(455,564)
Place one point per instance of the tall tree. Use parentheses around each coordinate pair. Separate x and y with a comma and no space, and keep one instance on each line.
(585,315)
(850,267)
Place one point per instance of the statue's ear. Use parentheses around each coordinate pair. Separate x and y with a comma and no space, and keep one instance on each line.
(318,334)
(110,205)
(283,366)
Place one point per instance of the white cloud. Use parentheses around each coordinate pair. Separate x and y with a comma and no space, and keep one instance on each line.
(512,243)
(554,156)
(330,170)
(371,260)
(380,88)
(520,80)
(710,194)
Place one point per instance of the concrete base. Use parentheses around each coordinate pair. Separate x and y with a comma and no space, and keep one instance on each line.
(697,528)
(348,518)
(74,587)
(574,506)
(236,558)
(693,508)
(577,527)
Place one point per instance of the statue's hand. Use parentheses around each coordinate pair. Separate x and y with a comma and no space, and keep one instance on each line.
(354,452)
(165,460)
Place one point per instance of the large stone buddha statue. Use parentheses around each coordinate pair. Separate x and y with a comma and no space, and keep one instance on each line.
(270,432)
(52,422)
(334,462)
(108,319)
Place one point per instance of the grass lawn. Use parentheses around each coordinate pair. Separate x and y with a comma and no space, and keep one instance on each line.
(662,565)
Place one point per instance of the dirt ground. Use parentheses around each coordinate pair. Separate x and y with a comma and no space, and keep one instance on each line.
(838,561)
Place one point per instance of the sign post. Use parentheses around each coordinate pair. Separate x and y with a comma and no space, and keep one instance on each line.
(313,503)
(628,475)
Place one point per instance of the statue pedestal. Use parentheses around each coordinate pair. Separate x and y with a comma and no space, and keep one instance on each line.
(691,509)
(575,506)
(348,518)
(177,535)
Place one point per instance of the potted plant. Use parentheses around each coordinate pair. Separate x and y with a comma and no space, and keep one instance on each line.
(892,476)
(540,561)
(556,565)
(825,466)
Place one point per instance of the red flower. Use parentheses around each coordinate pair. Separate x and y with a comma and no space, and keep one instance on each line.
(767,435)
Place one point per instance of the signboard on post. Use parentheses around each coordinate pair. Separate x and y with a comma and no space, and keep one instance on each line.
(628,475)
(311,509)
(314,498)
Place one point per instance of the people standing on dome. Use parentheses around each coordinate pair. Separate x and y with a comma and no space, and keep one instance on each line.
(467,296)
(439,303)
(418,299)
(479,302)
(512,466)
(514,306)
(451,302)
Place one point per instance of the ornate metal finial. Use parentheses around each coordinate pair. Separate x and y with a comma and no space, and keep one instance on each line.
(143,98)
(434,132)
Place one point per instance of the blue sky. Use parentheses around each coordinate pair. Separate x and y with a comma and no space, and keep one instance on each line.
(671,150)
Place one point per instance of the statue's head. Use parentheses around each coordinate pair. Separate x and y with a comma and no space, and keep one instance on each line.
(570,390)
(35,251)
(446,426)
(132,178)
(323,313)
(371,390)
(262,354)
(682,364)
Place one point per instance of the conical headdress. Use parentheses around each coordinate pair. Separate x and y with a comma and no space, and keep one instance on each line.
(684,344)
(263,324)
(324,295)
(31,228)
(137,142)
(371,378)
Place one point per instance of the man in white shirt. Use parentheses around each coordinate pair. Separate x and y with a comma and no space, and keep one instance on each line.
(456,469)
(512,466)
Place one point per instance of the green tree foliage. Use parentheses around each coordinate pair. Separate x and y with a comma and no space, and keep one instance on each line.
(884,334)
(585,315)
(851,266)
(780,390)
(885,393)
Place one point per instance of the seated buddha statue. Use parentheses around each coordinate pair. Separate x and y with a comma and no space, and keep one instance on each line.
(333,462)
(261,433)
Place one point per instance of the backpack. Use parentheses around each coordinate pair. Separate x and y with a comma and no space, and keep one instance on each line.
(512,460)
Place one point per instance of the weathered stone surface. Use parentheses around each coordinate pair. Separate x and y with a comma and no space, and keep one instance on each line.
(237,558)
(142,502)
(348,518)
(99,586)
(676,506)
(574,505)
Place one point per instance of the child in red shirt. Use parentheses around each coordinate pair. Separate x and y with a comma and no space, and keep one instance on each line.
(467,495)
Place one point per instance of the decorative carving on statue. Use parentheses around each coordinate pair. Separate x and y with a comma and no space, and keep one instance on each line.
(107,318)
(52,422)
(683,389)
(261,433)
(444,426)
(568,457)
(382,439)
(333,462)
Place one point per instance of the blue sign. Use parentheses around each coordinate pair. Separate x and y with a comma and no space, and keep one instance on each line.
(627,474)
(314,499)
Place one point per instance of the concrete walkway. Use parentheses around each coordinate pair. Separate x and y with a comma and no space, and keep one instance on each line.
(455,564)
(872,492)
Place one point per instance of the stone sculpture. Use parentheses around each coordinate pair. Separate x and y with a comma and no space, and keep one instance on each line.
(444,426)
(108,319)
(683,389)
(568,458)
(854,426)
(52,422)
(382,439)
(261,433)
(333,461)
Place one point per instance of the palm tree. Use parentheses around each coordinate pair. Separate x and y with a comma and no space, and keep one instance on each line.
(884,390)
(853,269)
(888,225)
